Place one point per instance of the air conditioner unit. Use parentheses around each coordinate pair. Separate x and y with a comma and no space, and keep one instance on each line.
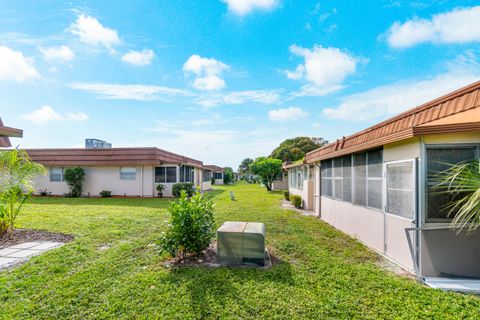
(241,243)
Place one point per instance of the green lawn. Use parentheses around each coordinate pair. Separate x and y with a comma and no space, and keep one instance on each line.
(322,274)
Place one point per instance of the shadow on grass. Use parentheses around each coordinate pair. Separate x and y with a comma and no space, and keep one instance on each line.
(219,287)
(154,203)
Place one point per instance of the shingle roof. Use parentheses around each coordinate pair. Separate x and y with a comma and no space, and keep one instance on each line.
(213,167)
(421,120)
(108,157)
(6,132)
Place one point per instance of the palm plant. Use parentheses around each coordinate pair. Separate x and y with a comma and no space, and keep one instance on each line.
(16,174)
(462,182)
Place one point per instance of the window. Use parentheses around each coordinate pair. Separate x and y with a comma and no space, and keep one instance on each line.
(187,174)
(218,175)
(360,174)
(311,172)
(299,179)
(439,158)
(337,179)
(374,179)
(347,178)
(128,173)
(166,174)
(400,181)
(56,174)
(326,173)
(207,175)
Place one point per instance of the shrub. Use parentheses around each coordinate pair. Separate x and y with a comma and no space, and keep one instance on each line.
(286,195)
(191,227)
(296,201)
(212,181)
(105,194)
(74,178)
(16,172)
(185,186)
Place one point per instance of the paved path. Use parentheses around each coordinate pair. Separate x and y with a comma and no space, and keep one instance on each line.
(19,253)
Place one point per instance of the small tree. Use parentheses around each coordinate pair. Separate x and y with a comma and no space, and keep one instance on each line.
(461,182)
(267,169)
(228,175)
(74,178)
(191,227)
(244,167)
(16,174)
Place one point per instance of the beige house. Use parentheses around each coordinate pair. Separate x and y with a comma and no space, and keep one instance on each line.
(6,132)
(123,171)
(300,179)
(376,185)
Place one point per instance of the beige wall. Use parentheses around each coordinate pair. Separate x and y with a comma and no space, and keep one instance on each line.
(408,149)
(469,137)
(306,192)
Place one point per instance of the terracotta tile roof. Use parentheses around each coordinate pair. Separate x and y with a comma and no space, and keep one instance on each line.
(108,157)
(424,119)
(6,132)
(213,167)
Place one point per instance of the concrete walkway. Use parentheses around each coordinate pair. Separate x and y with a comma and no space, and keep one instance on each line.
(19,253)
(287,205)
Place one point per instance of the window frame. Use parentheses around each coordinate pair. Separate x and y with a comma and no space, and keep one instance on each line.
(425,184)
(381,179)
(128,179)
(62,179)
(414,189)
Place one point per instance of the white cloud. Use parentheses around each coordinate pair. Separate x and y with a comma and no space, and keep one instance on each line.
(15,66)
(239,97)
(287,114)
(77,116)
(207,72)
(391,99)
(456,26)
(139,58)
(129,91)
(325,69)
(91,31)
(243,7)
(62,53)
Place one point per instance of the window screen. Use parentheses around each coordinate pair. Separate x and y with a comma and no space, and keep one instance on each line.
(186,174)
(360,175)
(326,173)
(171,174)
(401,189)
(128,173)
(438,160)
(337,179)
(347,178)
(159,174)
(374,179)
(56,174)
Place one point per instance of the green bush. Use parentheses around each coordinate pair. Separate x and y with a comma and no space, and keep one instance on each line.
(286,195)
(296,201)
(185,186)
(191,227)
(74,178)
(105,194)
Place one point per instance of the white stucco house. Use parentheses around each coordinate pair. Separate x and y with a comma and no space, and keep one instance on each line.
(132,172)
(375,185)
(217,173)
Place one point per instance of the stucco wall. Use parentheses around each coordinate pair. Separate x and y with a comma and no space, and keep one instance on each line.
(206,185)
(219,181)
(408,149)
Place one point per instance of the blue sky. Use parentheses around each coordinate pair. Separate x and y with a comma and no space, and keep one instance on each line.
(222,80)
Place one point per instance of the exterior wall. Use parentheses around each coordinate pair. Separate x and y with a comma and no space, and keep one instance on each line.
(446,253)
(281,184)
(306,192)
(408,149)
(206,185)
(470,137)
(104,178)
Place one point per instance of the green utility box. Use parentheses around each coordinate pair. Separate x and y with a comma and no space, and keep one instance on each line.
(241,243)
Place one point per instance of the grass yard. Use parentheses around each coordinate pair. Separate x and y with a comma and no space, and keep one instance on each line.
(112,270)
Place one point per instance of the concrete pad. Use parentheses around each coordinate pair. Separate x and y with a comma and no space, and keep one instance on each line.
(25,253)
(8,251)
(25,245)
(46,245)
(5,262)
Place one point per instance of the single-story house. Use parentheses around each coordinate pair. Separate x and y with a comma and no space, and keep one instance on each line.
(8,132)
(123,171)
(217,173)
(376,185)
(301,182)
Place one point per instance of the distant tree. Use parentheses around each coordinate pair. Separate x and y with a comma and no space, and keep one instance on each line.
(267,169)
(244,167)
(296,148)
(228,175)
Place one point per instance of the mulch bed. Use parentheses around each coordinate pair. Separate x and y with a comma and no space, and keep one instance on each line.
(208,258)
(27,235)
